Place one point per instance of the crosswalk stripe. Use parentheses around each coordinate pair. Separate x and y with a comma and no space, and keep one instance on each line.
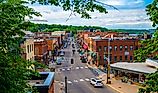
(63,69)
(69,82)
(75,81)
(77,67)
(87,79)
(81,67)
(81,80)
(86,67)
(68,69)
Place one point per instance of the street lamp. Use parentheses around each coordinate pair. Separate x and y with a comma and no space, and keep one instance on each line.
(108,66)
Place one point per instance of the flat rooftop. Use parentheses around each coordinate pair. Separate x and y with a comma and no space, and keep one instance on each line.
(135,67)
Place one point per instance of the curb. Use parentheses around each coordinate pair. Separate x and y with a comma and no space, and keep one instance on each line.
(114,88)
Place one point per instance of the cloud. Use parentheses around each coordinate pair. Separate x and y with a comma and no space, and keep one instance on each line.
(125,4)
(124,18)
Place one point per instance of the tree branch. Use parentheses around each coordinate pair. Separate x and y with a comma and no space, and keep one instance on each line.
(106,5)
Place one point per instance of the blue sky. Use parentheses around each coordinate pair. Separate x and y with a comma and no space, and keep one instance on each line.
(131,15)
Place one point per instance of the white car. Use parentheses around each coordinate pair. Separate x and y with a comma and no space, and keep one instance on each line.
(96,82)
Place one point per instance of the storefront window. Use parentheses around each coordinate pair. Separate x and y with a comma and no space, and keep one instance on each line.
(121,48)
(115,48)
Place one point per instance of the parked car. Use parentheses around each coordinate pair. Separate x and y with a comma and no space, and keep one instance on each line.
(62,53)
(96,82)
(83,60)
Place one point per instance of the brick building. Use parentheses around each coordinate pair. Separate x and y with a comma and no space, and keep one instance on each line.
(121,50)
(41,53)
(121,46)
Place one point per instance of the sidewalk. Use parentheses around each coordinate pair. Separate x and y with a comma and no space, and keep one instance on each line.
(117,85)
(120,86)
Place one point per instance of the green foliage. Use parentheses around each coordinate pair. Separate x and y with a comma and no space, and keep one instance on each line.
(13,70)
(149,47)
(131,31)
(151,84)
(152,11)
(51,28)
(81,7)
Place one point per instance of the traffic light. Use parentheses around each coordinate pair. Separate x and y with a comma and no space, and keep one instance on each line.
(72,61)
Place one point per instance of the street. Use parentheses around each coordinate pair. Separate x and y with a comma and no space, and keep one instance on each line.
(78,75)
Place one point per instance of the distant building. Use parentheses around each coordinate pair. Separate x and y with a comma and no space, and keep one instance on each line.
(41,53)
(121,50)
(121,46)
(27,45)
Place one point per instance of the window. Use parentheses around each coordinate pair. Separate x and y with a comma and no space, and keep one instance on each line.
(99,49)
(115,48)
(121,48)
(110,57)
(110,48)
(115,58)
(105,48)
(99,58)
(126,57)
(120,58)
(105,57)
(27,48)
(131,58)
(126,48)
(30,48)
(136,47)
(131,47)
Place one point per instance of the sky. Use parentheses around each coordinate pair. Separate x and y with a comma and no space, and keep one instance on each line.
(131,15)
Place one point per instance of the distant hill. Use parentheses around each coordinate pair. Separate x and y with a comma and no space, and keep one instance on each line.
(69,28)
(134,31)
(54,27)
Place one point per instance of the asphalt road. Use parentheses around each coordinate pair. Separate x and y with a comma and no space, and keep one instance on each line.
(78,75)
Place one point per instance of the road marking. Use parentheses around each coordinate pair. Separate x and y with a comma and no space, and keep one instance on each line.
(87,79)
(63,69)
(75,81)
(81,67)
(77,67)
(69,82)
(68,69)
(86,67)
(81,80)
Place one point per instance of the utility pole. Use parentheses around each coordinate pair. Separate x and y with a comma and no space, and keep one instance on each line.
(65,84)
(108,66)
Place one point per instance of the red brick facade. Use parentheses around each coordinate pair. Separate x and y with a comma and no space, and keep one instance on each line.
(120,50)
(41,52)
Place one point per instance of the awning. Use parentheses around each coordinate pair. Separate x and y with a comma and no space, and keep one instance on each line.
(93,54)
(82,52)
(85,46)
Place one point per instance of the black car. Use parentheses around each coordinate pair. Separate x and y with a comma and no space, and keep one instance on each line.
(83,60)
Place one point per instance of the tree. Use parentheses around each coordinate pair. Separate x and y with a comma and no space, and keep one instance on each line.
(13,70)
(150,47)
(151,85)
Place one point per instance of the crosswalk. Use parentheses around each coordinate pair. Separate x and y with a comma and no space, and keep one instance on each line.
(71,68)
(79,80)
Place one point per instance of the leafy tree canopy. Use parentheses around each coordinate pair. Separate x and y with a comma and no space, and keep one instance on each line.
(54,27)
(150,49)
(13,70)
